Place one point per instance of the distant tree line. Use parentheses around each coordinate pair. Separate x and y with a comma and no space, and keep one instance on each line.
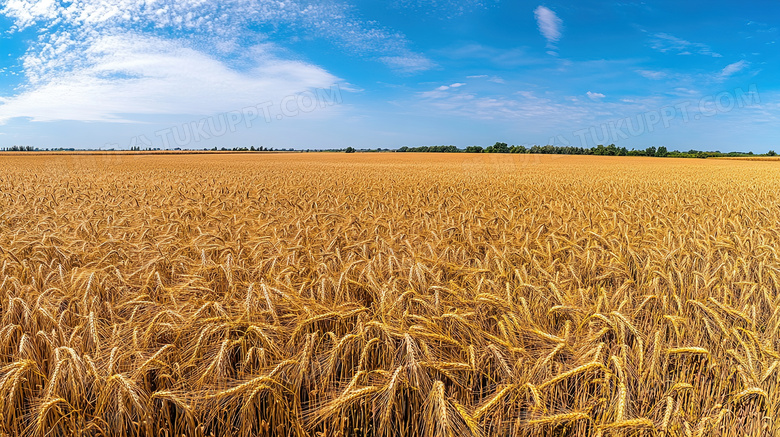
(439,149)
(251,149)
(499,147)
(33,149)
(600,150)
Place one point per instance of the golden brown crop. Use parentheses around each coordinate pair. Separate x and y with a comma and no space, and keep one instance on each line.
(388,295)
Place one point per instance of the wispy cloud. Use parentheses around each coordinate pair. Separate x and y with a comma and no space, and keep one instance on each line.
(443,9)
(538,113)
(666,43)
(409,63)
(595,96)
(494,56)
(653,75)
(225,21)
(733,69)
(73,57)
(493,79)
(440,92)
(549,25)
(135,75)
(232,34)
(684,92)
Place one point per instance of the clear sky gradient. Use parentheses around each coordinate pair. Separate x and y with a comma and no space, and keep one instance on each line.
(330,74)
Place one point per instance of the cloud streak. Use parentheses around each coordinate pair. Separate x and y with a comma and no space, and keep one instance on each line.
(733,69)
(549,25)
(666,43)
(442,9)
(409,63)
(652,75)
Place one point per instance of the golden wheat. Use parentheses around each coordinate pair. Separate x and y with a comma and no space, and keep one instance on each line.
(388,295)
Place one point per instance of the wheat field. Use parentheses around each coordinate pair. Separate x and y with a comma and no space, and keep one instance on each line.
(388,295)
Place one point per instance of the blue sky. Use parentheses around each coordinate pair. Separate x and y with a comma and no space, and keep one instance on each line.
(197,74)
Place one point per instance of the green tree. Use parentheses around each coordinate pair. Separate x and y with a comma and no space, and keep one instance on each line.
(498,148)
(350,150)
(662,152)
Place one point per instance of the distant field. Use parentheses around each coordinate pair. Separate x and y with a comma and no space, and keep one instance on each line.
(753,158)
(388,295)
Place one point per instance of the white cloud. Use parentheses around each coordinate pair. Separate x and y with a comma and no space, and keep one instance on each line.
(595,96)
(733,68)
(225,28)
(104,60)
(684,92)
(173,14)
(541,115)
(132,74)
(504,58)
(26,13)
(549,25)
(440,91)
(494,79)
(409,64)
(524,106)
(666,43)
(653,75)
(444,9)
